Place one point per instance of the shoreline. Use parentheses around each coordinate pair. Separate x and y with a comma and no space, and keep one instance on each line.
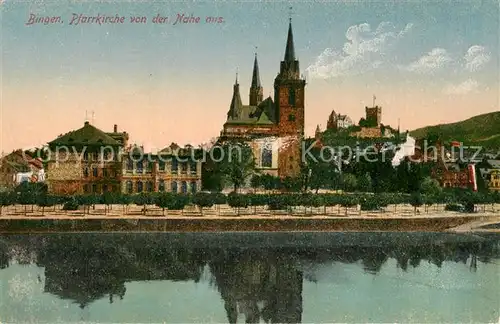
(254,223)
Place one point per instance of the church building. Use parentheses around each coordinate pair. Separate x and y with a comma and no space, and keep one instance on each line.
(274,127)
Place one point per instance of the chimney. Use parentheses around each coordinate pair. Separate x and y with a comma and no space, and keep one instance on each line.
(115,129)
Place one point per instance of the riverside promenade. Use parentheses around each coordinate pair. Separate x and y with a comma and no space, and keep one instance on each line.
(222,218)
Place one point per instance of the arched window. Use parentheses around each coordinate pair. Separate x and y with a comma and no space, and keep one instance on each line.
(184,187)
(174,186)
(193,187)
(130,187)
(193,167)
(149,186)
(139,186)
(86,172)
(161,185)
(175,165)
(267,157)
(130,165)
(140,166)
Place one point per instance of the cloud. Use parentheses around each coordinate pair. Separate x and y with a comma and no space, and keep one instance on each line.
(461,88)
(364,50)
(476,58)
(430,62)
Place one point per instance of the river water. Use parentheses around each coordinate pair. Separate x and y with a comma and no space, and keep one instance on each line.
(252,277)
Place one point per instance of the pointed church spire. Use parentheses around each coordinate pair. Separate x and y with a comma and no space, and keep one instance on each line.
(290,48)
(236,103)
(256,75)
(256,91)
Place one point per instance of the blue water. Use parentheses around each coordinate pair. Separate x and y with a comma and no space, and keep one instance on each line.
(260,277)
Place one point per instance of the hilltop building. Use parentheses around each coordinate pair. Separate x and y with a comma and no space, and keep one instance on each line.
(274,127)
(338,121)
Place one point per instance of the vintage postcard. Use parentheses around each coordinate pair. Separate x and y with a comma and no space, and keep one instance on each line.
(249,161)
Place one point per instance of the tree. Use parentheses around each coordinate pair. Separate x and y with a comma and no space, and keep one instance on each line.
(202,200)
(291,184)
(236,163)
(6,199)
(349,181)
(46,201)
(416,201)
(236,200)
(430,187)
(255,182)
(365,183)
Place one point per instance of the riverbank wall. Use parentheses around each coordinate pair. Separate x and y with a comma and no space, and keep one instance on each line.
(23,225)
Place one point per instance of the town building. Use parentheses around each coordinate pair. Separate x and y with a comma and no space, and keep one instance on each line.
(274,127)
(448,171)
(91,161)
(86,160)
(490,171)
(18,167)
(173,169)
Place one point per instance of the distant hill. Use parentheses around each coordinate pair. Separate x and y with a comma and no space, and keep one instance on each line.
(482,130)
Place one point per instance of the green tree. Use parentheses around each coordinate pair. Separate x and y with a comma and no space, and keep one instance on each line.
(237,163)
(416,201)
(365,183)
(6,199)
(46,201)
(349,181)
(203,200)
(255,182)
(236,200)
(430,187)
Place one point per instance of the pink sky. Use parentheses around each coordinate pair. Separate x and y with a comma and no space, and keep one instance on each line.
(157,116)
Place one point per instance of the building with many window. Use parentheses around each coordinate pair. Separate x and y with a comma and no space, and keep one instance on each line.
(173,169)
(90,161)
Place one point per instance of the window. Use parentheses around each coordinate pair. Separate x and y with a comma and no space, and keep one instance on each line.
(130,165)
(95,172)
(161,165)
(149,166)
(85,156)
(193,187)
(184,167)
(94,188)
(86,188)
(161,185)
(291,117)
(184,187)
(291,97)
(140,167)
(175,165)
(105,172)
(267,158)
(104,188)
(174,186)
(149,186)
(194,167)
(86,172)
(139,186)
(130,187)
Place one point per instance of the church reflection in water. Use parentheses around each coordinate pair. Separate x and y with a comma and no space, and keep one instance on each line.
(260,284)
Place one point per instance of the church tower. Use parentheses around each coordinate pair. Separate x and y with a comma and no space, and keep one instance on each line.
(289,92)
(256,90)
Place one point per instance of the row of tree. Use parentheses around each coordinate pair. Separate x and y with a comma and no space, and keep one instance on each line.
(283,201)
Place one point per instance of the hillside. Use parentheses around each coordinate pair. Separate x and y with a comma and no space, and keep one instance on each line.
(482,130)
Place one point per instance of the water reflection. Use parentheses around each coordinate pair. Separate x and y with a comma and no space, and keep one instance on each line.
(260,284)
